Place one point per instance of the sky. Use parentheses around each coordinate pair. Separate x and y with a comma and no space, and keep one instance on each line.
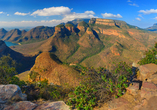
(31,13)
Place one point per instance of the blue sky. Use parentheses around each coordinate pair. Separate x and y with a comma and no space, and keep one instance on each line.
(31,13)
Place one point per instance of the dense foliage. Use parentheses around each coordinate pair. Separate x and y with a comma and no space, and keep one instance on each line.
(100,86)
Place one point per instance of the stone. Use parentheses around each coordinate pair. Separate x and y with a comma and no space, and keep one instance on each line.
(147,70)
(9,92)
(153,79)
(59,105)
(148,90)
(133,89)
(118,104)
(22,105)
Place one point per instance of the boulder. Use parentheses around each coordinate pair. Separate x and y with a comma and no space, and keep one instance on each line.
(146,71)
(59,105)
(148,90)
(22,105)
(11,92)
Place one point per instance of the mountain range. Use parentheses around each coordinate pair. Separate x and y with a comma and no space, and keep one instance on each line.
(100,42)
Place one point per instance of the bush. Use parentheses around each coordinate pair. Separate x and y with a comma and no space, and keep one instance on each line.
(150,56)
(100,86)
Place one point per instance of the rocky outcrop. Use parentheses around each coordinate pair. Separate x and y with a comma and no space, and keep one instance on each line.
(11,98)
(111,32)
(70,27)
(147,72)
(140,95)
(82,26)
(108,22)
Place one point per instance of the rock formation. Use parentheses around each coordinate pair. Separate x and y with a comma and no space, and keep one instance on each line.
(11,98)
(140,95)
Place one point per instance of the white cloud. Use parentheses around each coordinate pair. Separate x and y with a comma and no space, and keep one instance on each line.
(72,16)
(148,11)
(139,19)
(110,15)
(129,1)
(133,4)
(7,14)
(22,14)
(140,15)
(1,12)
(52,11)
(155,18)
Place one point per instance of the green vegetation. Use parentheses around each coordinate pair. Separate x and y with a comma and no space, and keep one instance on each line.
(151,56)
(99,86)
(8,71)
(69,25)
(82,23)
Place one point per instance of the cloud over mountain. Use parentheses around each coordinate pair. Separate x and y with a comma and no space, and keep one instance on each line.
(110,15)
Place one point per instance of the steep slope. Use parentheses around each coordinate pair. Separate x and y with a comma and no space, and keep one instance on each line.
(2,33)
(49,67)
(37,33)
(26,62)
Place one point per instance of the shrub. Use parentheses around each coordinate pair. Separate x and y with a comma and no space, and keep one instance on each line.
(150,56)
(100,86)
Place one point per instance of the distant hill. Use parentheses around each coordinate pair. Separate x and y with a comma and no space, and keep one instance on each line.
(97,43)
(152,28)
(34,35)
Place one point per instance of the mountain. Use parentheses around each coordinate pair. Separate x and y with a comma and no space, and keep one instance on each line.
(34,35)
(75,22)
(152,28)
(12,35)
(97,43)
(2,33)
(37,33)
(49,67)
